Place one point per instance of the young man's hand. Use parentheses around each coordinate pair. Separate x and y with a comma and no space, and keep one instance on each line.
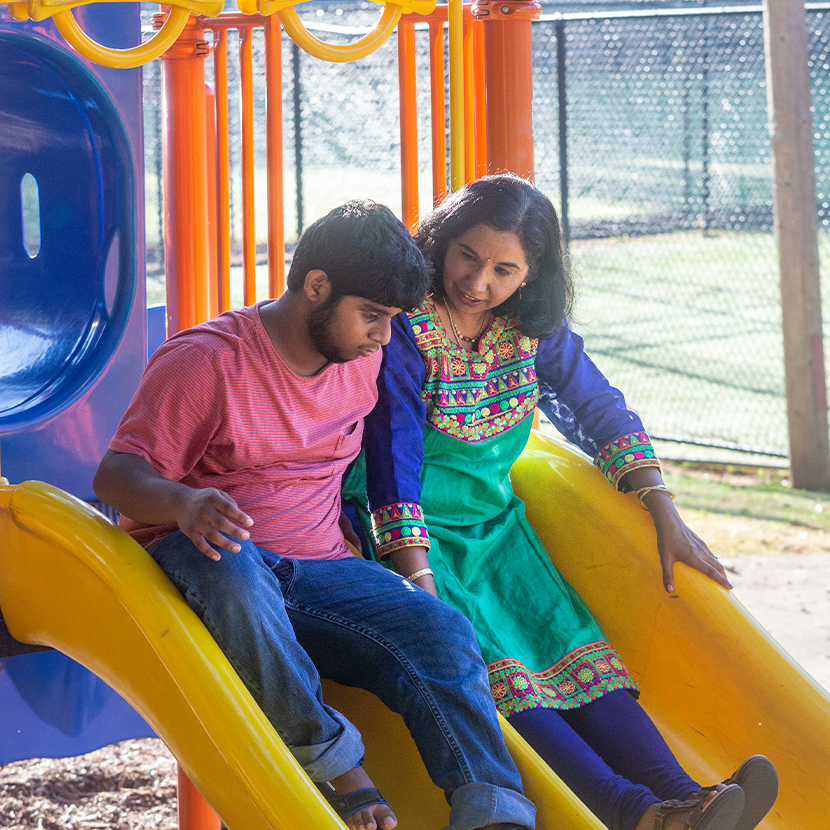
(135,489)
(207,517)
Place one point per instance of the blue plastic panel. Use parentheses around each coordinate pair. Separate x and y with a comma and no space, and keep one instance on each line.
(72,317)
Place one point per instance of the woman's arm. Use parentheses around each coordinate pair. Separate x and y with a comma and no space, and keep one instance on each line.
(676,542)
(593,414)
(394,448)
(586,408)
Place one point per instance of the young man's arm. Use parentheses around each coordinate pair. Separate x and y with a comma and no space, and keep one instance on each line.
(134,488)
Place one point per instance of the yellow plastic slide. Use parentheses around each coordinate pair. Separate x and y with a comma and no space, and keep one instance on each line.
(717,685)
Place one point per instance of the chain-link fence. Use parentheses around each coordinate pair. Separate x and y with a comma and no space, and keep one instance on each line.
(651,136)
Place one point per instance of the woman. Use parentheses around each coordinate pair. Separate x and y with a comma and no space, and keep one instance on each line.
(463,375)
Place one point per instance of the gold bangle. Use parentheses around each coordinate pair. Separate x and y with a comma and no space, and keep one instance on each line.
(655,487)
(419,574)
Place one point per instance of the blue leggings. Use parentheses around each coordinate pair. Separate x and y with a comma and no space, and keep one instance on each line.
(610,754)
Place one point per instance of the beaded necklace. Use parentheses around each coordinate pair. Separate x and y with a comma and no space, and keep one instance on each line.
(458,336)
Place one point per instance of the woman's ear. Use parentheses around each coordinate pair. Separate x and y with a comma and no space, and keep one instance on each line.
(317,286)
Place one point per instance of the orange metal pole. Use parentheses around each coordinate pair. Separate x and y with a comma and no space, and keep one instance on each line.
(246,82)
(194,812)
(186,243)
(509,79)
(480,100)
(469,104)
(210,165)
(273,151)
(409,124)
(438,114)
(223,199)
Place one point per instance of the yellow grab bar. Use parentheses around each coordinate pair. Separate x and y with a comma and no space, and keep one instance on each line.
(121,58)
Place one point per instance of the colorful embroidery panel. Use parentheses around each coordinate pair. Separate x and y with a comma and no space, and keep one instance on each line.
(399,526)
(475,395)
(624,455)
(585,674)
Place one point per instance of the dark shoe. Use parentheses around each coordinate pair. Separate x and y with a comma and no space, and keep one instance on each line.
(758,779)
(722,813)
(347,804)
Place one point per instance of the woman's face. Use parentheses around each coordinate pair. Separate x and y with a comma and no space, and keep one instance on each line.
(482,268)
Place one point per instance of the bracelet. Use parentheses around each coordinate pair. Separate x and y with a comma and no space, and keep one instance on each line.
(418,574)
(658,487)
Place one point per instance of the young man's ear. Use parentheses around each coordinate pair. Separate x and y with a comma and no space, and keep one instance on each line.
(317,286)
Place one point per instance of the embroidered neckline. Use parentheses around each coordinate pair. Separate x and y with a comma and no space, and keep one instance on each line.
(474,395)
(494,330)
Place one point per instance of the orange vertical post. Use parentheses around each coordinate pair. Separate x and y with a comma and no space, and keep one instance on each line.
(186,246)
(438,116)
(509,80)
(246,83)
(223,199)
(186,243)
(409,123)
(273,151)
(508,59)
(479,100)
(213,239)
(193,811)
(469,104)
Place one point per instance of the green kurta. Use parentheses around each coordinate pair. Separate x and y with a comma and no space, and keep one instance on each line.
(542,645)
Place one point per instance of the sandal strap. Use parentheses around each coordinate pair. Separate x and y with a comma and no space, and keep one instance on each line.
(347,804)
(666,808)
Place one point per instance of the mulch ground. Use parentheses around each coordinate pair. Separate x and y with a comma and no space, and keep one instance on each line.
(127,786)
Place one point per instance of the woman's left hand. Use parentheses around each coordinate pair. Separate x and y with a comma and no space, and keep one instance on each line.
(349,533)
(676,542)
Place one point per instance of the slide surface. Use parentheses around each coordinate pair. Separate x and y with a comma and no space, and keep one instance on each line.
(717,685)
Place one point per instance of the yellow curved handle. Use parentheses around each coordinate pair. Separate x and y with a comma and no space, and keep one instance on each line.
(121,58)
(340,53)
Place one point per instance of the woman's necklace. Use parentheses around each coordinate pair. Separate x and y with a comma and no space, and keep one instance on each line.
(458,336)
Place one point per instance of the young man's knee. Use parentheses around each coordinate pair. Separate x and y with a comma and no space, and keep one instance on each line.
(445,623)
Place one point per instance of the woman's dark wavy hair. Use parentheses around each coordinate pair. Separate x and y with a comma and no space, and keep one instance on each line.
(507,203)
(366,251)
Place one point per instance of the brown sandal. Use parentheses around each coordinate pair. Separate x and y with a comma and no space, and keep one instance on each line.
(757,777)
(722,813)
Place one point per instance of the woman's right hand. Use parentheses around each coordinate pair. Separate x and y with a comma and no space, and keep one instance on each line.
(410,560)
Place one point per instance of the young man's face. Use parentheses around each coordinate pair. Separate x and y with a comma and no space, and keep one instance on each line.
(350,327)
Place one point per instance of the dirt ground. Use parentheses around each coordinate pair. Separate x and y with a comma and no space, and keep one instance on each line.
(127,786)
(781,572)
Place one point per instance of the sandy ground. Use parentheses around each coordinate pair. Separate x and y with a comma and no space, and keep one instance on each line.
(789,594)
(131,786)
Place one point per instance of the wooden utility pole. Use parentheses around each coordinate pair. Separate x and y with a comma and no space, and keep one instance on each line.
(793,164)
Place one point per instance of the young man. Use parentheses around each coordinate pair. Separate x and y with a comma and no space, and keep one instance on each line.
(228,464)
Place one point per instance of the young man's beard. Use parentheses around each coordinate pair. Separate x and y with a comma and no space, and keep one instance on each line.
(319,330)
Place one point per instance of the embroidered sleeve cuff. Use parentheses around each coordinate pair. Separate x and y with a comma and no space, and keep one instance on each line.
(399,525)
(624,455)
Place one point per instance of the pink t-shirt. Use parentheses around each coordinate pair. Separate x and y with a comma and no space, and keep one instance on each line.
(217,407)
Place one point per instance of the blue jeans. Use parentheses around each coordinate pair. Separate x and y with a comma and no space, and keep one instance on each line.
(280,621)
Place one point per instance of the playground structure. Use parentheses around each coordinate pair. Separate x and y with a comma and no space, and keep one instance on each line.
(698,659)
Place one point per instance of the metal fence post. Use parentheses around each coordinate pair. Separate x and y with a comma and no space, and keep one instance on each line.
(298,137)
(561,82)
(704,135)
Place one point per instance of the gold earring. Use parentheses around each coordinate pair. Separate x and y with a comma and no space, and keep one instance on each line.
(520,289)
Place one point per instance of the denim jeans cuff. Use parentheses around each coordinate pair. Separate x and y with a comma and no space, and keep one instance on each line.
(477,805)
(325,761)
